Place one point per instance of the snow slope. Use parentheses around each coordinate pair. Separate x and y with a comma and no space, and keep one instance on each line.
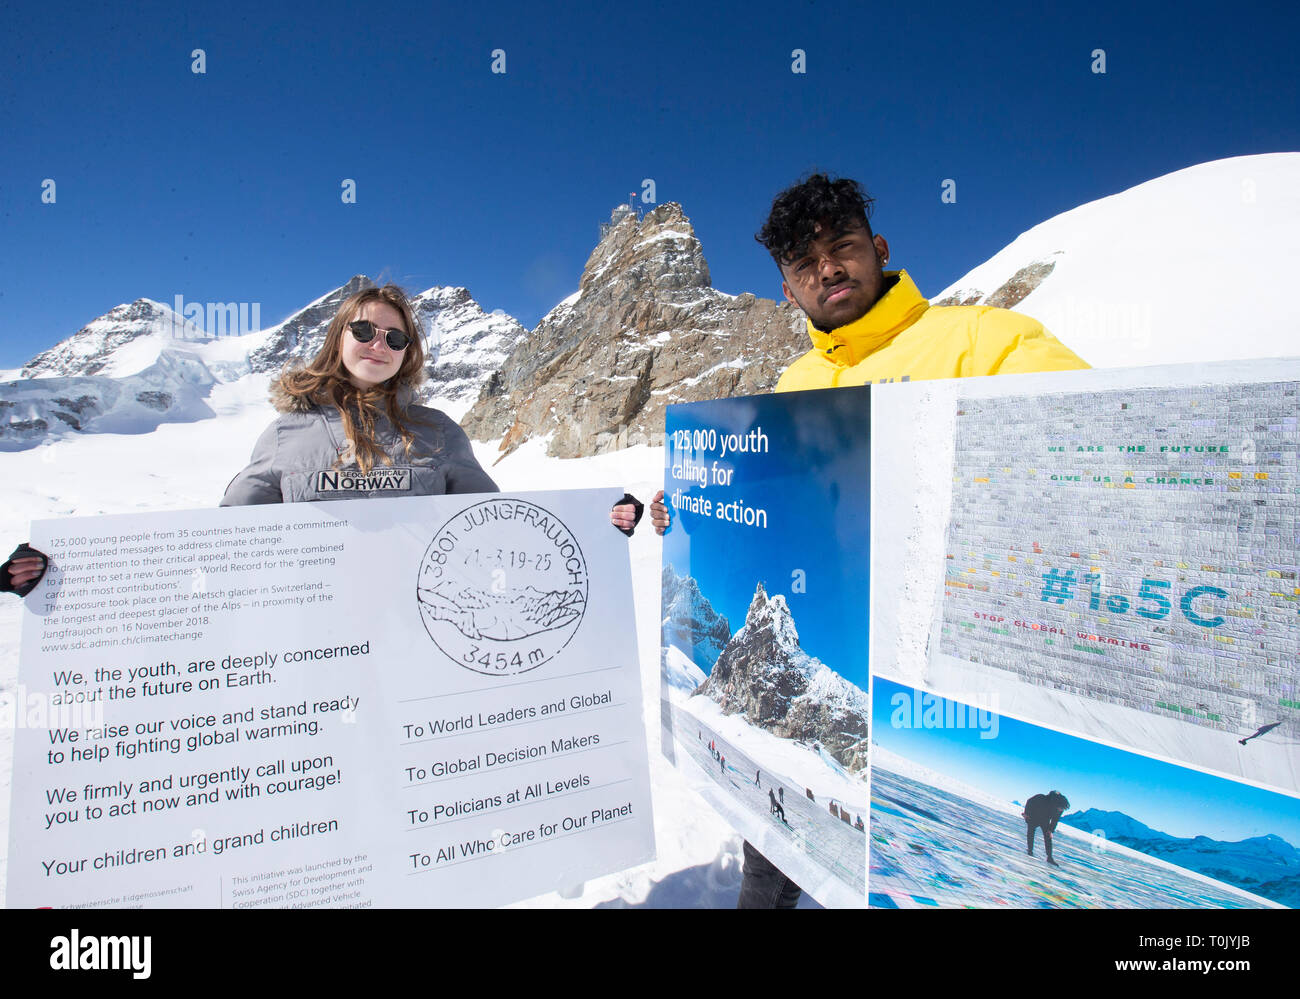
(1192,266)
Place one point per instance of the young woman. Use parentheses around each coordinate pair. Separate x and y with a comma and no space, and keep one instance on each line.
(350,428)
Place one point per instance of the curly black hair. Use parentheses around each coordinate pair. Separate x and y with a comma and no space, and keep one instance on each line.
(797,210)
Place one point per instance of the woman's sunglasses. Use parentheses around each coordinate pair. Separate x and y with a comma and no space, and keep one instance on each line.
(364,331)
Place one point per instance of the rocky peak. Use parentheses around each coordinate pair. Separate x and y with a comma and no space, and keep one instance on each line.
(764,674)
(440,299)
(441,311)
(770,618)
(644,330)
(659,250)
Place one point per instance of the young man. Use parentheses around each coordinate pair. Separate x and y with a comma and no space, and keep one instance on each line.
(870,325)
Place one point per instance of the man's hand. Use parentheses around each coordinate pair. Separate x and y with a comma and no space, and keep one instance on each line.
(659,513)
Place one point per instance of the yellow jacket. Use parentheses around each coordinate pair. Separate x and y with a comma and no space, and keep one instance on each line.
(904,338)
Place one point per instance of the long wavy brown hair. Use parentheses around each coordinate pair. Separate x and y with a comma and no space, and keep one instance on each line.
(324,380)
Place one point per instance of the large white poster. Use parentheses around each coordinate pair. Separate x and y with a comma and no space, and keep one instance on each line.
(1111,554)
(1085,639)
(404,702)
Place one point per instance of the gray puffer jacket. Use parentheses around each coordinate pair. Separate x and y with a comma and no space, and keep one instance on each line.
(297,459)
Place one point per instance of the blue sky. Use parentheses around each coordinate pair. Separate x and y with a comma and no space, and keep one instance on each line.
(1024,760)
(226,186)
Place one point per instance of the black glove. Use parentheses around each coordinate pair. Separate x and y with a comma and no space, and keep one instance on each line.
(26,551)
(640,508)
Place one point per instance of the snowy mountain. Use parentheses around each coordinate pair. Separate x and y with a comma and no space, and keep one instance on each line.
(466,346)
(142,364)
(689,620)
(123,341)
(1192,266)
(645,329)
(172,389)
(1263,865)
(764,674)
(299,337)
(678,672)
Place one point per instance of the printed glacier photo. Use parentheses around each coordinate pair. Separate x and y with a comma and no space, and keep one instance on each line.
(1031,818)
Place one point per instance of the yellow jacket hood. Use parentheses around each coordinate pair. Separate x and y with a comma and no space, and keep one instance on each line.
(898,308)
(904,338)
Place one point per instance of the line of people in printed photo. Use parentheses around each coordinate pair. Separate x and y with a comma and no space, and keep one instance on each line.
(353,405)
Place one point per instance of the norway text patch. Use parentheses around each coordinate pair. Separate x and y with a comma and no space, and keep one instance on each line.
(351,480)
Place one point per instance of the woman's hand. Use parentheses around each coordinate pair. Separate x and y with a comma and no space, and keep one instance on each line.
(23,570)
(624,517)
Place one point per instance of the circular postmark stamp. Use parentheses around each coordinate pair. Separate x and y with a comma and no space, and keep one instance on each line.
(502,587)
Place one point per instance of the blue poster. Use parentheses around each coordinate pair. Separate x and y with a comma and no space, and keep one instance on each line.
(765,624)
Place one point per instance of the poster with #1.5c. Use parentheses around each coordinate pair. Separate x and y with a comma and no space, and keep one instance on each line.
(401,702)
(1085,639)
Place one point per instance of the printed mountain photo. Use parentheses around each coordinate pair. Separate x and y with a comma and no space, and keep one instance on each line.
(1264,865)
(764,675)
(689,621)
